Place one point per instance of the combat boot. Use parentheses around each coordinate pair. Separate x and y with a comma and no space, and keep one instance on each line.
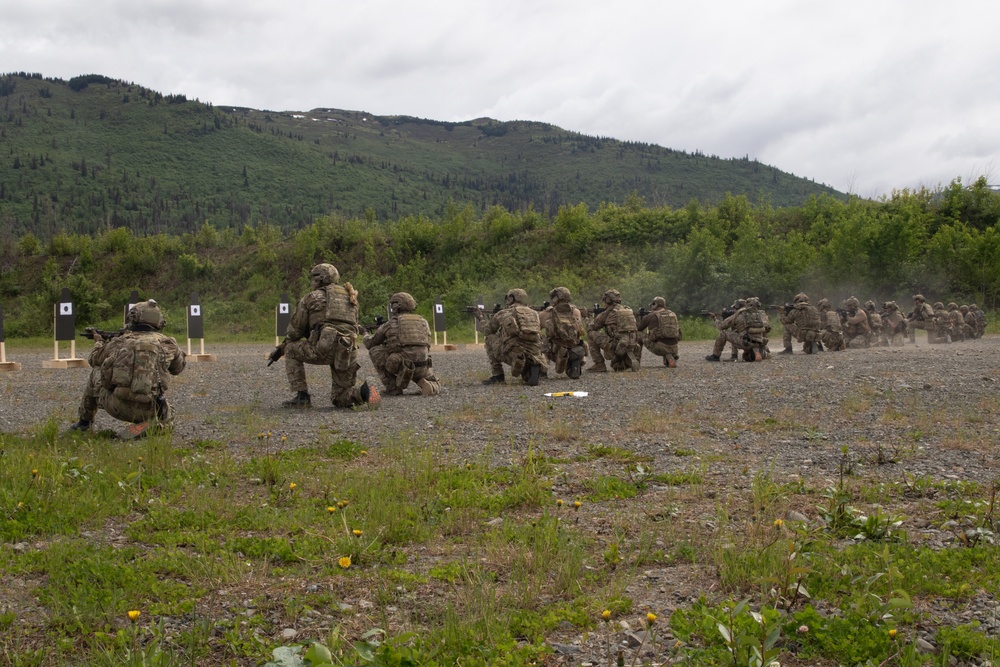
(712,357)
(787,350)
(533,373)
(669,361)
(82,425)
(300,400)
(495,379)
(369,394)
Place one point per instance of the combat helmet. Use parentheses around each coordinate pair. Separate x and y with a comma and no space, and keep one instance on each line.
(890,306)
(964,309)
(145,316)
(612,296)
(560,295)
(920,298)
(739,303)
(938,305)
(402,302)
(323,275)
(801,297)
(658,302)
(852,302)
(952,305)
(824,304)
(516,295)
(870,306)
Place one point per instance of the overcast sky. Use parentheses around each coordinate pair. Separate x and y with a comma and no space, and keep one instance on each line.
(865,96)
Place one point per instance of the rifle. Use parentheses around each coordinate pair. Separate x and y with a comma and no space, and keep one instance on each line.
(89,332)
(278,353)
(598,309)
(726,312)
(379,321)
(545,305)
(787,307)
(642,312)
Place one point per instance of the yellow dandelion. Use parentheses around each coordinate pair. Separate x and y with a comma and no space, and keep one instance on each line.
(284,437)
(678,644)
(778,523)
(892,633)
(133,615)
(331,509)
(34,472)
(292,485)
(651,618)
(20,504)
(559,502)
(269,434)
(344,562)
(343,503)
(364,452)
(139,459)
(468,466)
(606,614)
(577,504)
(357,532)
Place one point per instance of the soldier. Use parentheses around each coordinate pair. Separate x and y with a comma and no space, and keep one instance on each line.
(613,335)
(831,332)
(324,330)
(971,324)
(746,329)
(399,349)
(980,319)
(957,321)
(513,337)
(662,332)
(893,324)
(856,328)
(564,333)
(131,371)
(922,317)
(803,322)
(943,322)
(877,335)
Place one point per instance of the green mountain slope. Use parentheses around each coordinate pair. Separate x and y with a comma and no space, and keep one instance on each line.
(93,153)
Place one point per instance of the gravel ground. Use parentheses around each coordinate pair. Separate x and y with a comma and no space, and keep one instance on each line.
(928,409)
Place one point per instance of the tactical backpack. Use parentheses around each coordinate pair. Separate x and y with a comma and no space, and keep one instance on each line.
(132,371)
(753,320)
(519,322)
(564,327)
(341,304)
(413,330)
(622,321)
(667,327)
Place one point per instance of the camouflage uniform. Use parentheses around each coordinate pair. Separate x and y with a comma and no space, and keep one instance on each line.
(877,335)
(564,333)
(971,323)
(893,324)
(857,330)
(746,330)
(980,319)
(832,332)
(958,331)
(399,349)
(114,363)
(943,320)
(513,337)
(922,317)
(662,332)
(613,335)
(803,321)
(323,330)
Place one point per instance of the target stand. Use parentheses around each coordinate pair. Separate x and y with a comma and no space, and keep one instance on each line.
(65,329)
(196,330)
(5,366)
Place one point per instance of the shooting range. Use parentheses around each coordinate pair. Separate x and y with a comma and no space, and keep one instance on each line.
(4,364)
(196,329)
(64,313)
(282,316)
(133,299)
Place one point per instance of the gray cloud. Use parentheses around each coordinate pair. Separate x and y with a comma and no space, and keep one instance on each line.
(883,95)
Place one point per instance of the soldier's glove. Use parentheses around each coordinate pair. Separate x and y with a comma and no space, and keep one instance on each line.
(278,353)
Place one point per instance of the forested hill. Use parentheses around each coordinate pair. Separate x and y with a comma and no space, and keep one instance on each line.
(93,153)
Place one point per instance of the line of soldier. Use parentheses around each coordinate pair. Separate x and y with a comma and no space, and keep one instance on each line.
(822,326)
(528,339)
